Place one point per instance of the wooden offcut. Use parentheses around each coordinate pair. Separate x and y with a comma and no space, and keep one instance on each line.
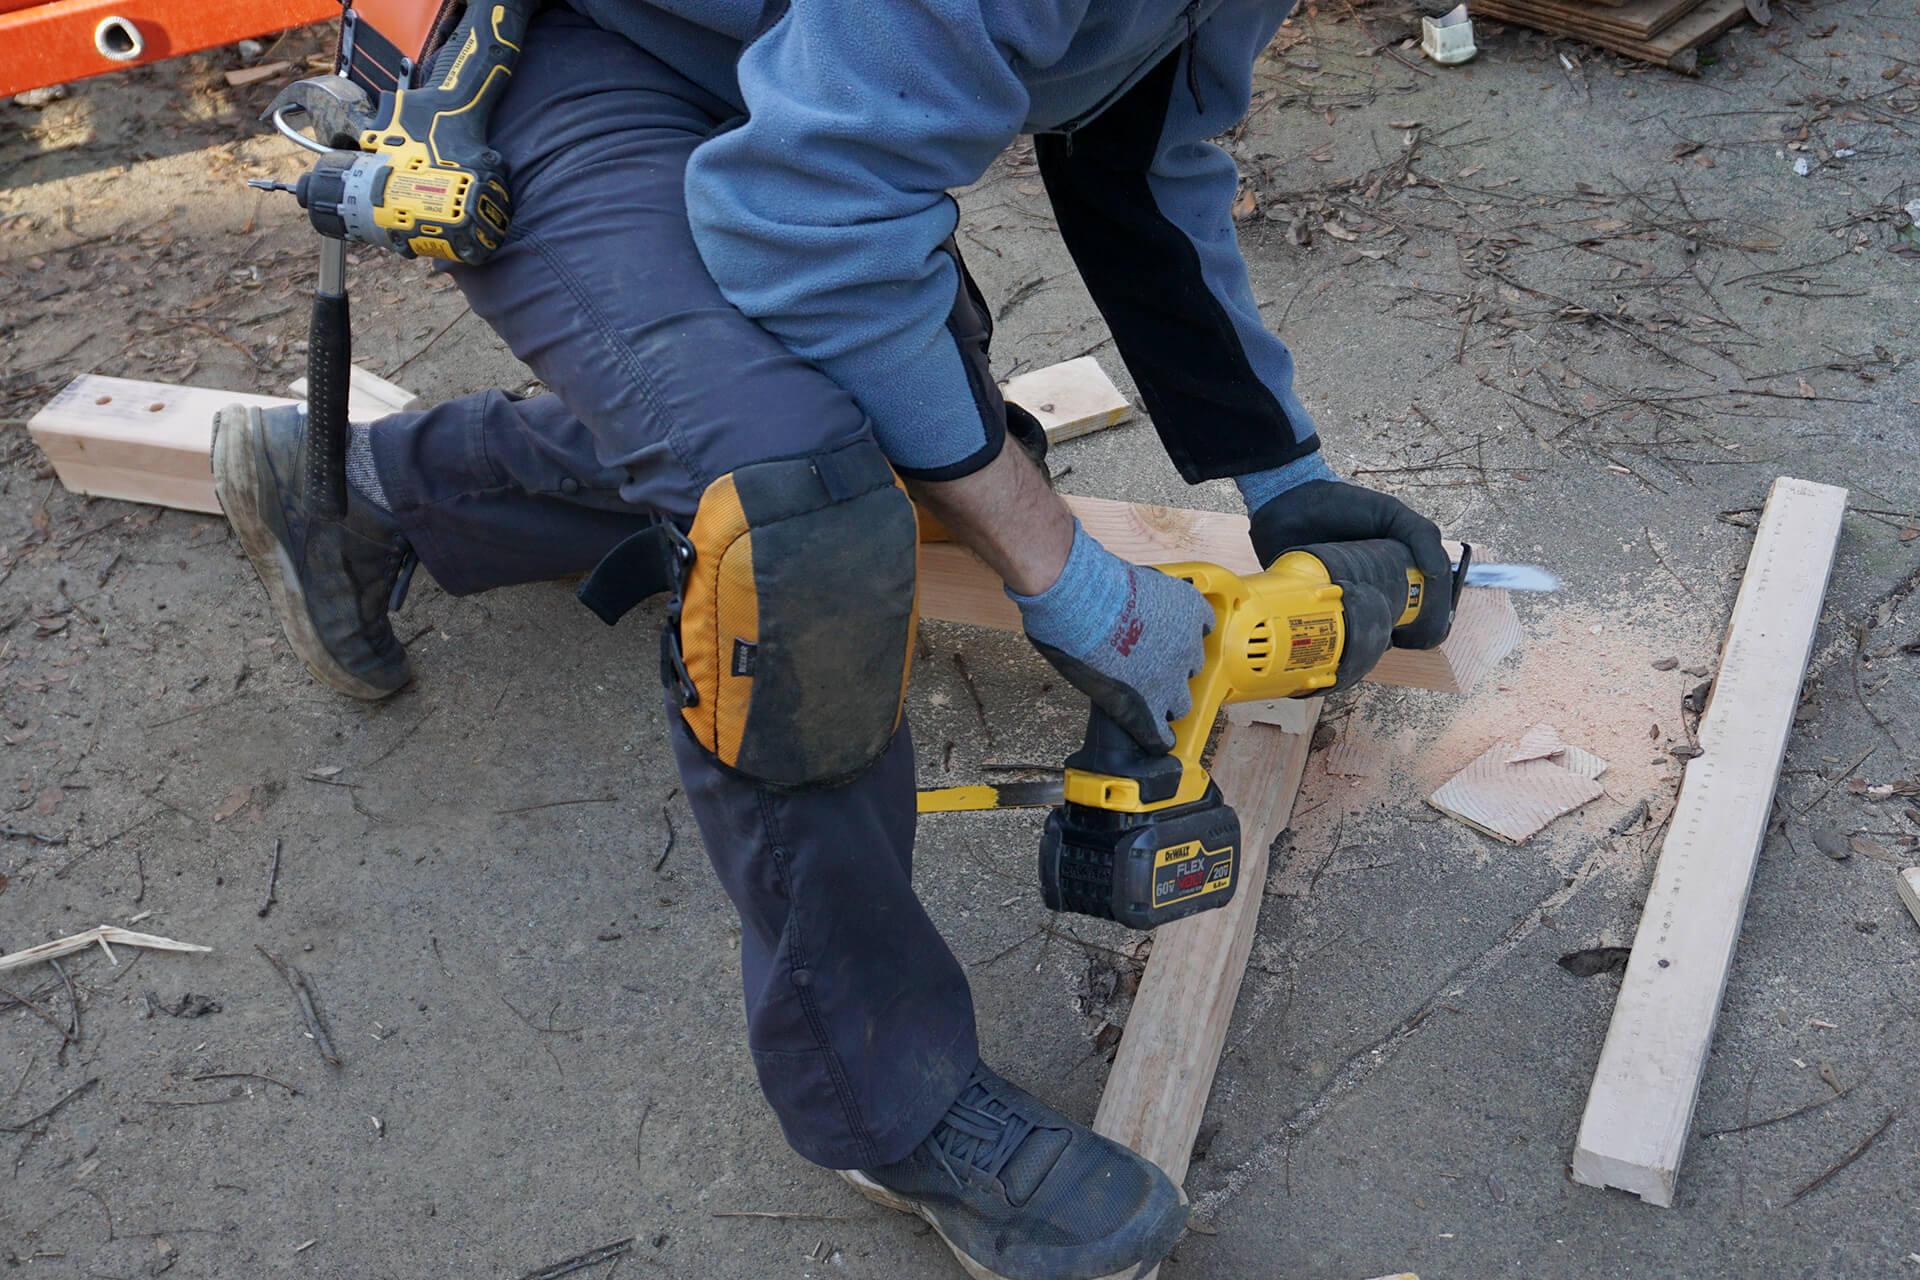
(1070,399)
(1164,1068)
(1641,1105)
(152,441)
(1908,882)
(1511,799)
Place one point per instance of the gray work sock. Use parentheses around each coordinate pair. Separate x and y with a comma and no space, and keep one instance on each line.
(361,473)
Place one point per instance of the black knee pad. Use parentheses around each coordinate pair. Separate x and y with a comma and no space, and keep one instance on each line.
(797,615)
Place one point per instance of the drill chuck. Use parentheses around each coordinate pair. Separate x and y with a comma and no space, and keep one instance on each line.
(340,194)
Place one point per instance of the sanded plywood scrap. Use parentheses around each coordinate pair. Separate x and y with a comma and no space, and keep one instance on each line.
(1538,743)
(1640,1109)
(1073,398)
(1511,801)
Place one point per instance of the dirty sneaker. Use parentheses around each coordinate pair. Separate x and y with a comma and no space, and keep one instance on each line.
(330,584)
(1020,1192)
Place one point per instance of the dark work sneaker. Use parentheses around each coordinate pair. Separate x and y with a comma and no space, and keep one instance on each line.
(1020,1192)
(330,584)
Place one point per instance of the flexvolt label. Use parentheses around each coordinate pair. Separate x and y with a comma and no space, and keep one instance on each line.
(1190,870)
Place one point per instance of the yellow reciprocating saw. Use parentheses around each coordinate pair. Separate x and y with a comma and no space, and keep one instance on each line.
(1145,839)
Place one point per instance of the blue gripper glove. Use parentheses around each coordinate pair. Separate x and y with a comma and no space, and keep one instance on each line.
(1127,636)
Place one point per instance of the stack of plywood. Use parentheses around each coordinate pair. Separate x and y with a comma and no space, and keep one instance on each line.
(1665,32)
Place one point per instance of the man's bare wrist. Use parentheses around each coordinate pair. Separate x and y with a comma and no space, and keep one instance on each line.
(1008,516)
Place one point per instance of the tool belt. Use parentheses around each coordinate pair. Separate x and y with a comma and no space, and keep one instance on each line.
(384,44)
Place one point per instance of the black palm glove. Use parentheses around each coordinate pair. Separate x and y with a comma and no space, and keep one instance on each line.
(1322,511)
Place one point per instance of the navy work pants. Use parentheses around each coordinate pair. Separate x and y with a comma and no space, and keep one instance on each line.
(858,1016)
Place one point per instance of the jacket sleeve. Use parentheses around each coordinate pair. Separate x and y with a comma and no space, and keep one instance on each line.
(1145,204)
(825,215)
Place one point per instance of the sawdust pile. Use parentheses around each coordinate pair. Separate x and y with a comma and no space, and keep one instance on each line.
(1595,674)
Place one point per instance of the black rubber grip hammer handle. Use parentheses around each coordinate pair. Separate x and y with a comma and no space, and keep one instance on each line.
(329,358)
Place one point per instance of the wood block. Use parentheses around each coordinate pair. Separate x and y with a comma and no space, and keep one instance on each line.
(1908,882)
(1073,398)
(1640,1109)
(137,441)
(1512,801)
(369,395)
(152,441)
(1157,1090)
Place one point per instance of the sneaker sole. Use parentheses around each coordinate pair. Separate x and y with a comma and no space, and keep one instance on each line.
(892,1200)
(237,464)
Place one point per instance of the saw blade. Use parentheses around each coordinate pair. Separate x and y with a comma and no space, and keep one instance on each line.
(1514,577)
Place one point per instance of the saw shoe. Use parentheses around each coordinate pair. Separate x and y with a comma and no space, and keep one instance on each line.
(1020,1192)
(331,585)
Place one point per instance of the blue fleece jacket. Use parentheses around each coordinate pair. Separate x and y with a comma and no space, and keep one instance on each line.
(823,213)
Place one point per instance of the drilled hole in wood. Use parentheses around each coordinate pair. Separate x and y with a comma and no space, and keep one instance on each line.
(104,400)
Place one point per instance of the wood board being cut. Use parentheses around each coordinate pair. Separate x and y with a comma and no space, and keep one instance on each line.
(1640,1109)
(149,442)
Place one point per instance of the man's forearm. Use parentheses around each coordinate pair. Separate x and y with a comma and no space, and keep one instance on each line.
(1008,515)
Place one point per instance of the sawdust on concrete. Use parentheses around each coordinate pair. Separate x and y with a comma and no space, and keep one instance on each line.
(1593,671)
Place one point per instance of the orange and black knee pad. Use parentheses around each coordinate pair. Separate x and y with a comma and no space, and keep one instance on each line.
(790,640)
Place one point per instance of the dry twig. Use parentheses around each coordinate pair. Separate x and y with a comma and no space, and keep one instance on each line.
(304,994)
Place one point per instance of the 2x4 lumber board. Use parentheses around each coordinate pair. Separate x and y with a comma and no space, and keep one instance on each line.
(1641,1106)
(1072,398)
(956,586)
(1157,1090)
(369,395)
(146,441)
(137,441)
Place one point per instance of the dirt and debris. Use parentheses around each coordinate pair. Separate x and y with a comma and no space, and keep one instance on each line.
(1577,311)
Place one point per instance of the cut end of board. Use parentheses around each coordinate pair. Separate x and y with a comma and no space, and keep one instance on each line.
(1595,1169)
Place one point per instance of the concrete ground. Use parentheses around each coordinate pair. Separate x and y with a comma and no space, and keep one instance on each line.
(1580,311)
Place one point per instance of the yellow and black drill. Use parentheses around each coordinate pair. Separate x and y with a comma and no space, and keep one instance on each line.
(408,171)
